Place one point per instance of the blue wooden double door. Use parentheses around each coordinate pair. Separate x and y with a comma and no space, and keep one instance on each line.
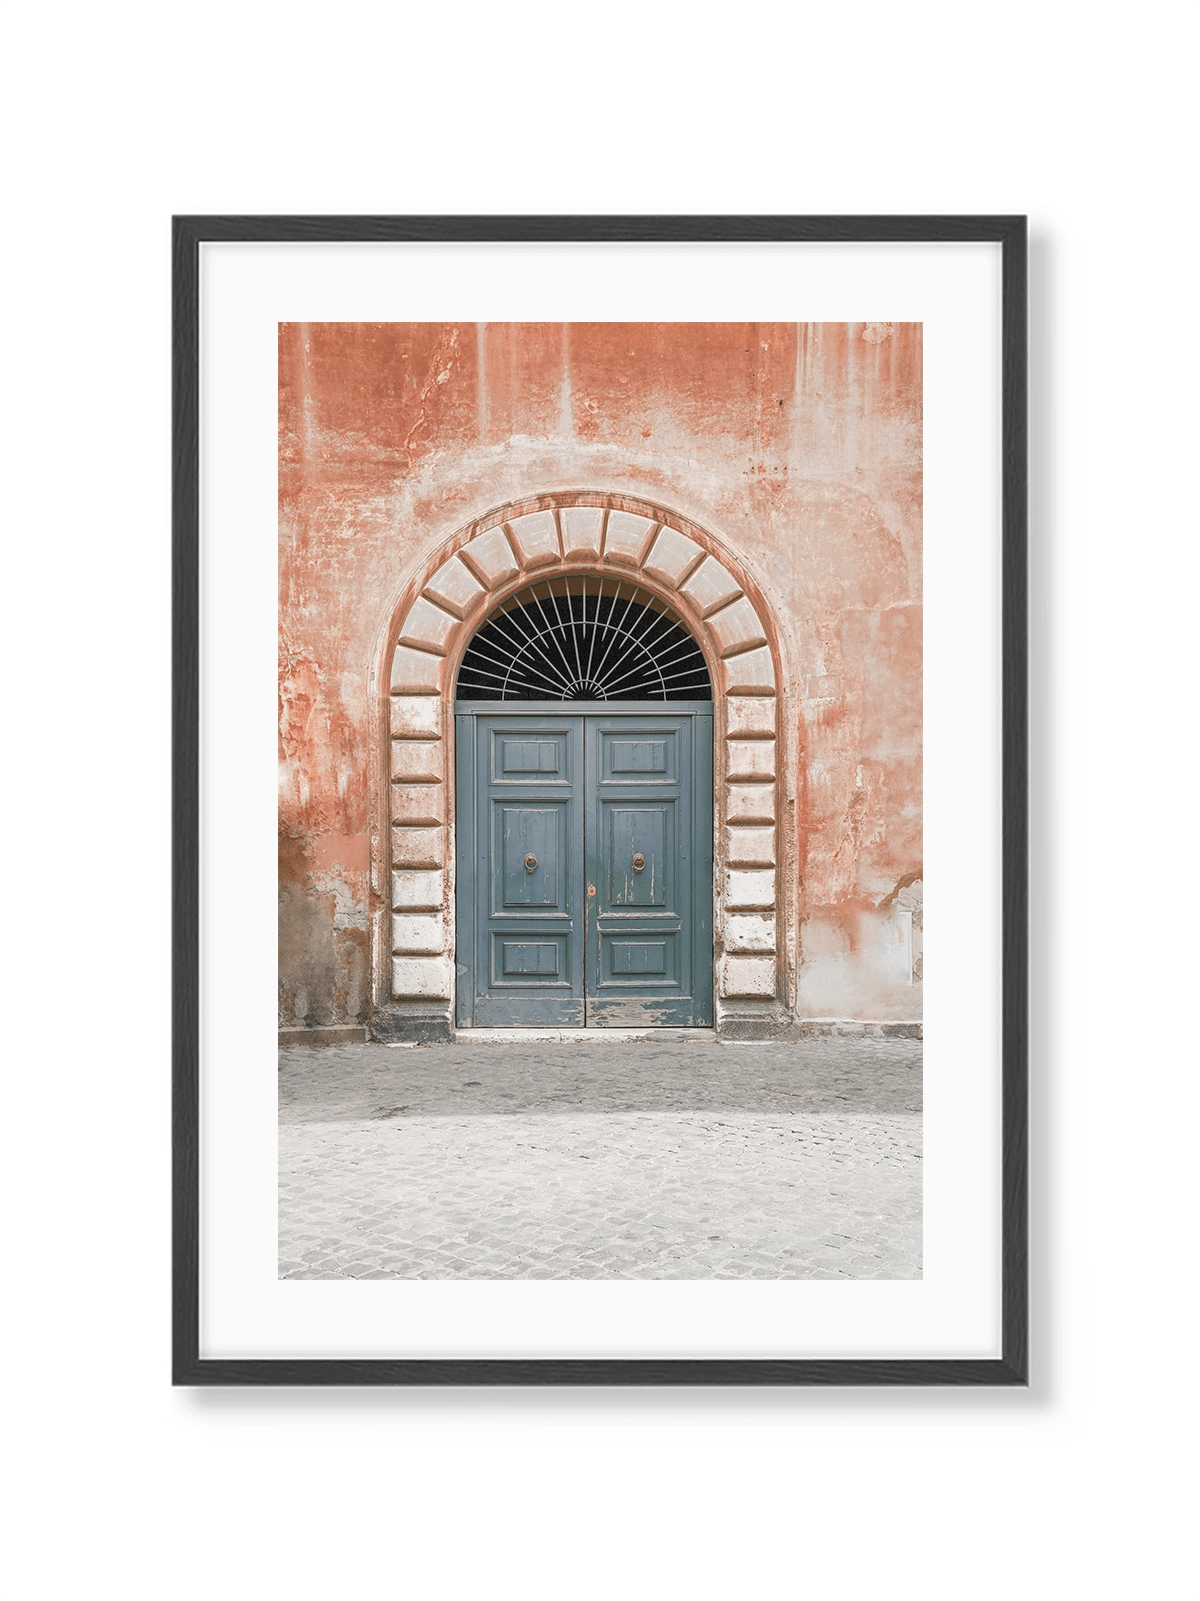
(584,869)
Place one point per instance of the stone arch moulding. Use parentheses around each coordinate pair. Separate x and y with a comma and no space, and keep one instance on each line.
(556,535)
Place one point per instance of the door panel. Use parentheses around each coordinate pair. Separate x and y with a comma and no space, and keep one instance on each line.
(638,957)
(538,963)
(524,958)
(637,756)
(638,963)
(530,849)
(528,756)
(539,758)
(636,857)
(549,805)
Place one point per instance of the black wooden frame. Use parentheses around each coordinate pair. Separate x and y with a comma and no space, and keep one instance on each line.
(1012,1367)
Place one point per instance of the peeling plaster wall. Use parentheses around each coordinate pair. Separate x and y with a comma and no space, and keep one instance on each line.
(798,447)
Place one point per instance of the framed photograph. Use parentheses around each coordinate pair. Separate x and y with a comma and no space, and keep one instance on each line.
(600,820)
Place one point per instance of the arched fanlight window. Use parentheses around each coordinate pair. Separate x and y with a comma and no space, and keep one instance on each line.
(583,638)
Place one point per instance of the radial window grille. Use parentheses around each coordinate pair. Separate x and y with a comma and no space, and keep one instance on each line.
(583,638)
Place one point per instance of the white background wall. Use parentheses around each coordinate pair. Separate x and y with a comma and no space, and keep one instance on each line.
(116,116)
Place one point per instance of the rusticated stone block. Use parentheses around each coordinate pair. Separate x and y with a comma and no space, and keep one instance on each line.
(418,891)
(750,716)
(416,672)
(750,803)
(418,934)
(418,847)
(672,555)
(428,627)
(420,978)
(752,673)
(581,530)
(750,847)
(491,556)
(417,761)
(454,589)
(412,716)
(749,934)
(746,977)
(737,627)
(750,759)
(419,805)
(750,890)
(536,539)
(626,538)
(710,587)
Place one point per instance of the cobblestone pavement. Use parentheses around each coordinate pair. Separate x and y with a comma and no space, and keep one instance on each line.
(630,1160)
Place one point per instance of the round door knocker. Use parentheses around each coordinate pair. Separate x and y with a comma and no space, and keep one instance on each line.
(639,861)
(531,863)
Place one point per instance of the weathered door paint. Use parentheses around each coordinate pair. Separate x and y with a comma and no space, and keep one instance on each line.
(584,869)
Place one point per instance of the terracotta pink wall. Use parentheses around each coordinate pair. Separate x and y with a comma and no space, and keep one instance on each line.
(798,447)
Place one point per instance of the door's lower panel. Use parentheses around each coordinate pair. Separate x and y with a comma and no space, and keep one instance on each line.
(648,958)
(640,981)
(526,959)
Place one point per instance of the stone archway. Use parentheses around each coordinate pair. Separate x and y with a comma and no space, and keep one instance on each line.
(560,534)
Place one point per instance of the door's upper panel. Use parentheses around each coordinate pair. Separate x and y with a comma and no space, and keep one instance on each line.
(638,756)
(541,757)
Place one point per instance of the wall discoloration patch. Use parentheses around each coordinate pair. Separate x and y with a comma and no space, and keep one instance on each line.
(324,942)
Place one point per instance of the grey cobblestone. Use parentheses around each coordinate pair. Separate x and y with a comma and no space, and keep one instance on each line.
(628,1161)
